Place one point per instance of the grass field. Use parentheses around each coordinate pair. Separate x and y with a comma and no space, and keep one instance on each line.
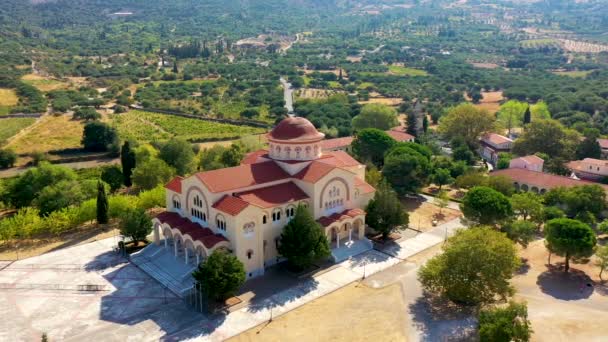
(8,97)
(404,71)
(43,83)
(10,127)
(575,74)
(365,85)
(147,126)
(538,43)
(51,133)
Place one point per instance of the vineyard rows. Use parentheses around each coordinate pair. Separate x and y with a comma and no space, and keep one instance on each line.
(147,126)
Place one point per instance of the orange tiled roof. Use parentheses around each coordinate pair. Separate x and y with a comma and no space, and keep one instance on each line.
(603,143)
(495,139)
(253,157)
(330,144)
(242,176)
(314,171)
(398,134)
(337,217)
(339,159)
(273,195)
(363,186)
(175,184)
(541,179)
(231,205)
(196,231)
(532,159)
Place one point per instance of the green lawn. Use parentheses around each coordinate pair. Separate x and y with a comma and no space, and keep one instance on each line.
(365,85)
(10,127)
(575,74)
(404,71)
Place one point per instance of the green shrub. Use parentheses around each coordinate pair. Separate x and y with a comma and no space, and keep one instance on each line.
(120,205)
(152,198)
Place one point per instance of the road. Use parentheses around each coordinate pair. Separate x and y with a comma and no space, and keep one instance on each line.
(76,166)
(288,95)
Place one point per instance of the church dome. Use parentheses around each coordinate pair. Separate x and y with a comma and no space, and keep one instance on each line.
(295,129)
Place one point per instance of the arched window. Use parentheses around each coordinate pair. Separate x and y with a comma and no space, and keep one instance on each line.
(264,219)
(220,222)
(276,215)
(298,150)
(287,152)
(249,254)
(308,149)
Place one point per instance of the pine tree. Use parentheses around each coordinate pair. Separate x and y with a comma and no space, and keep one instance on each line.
(385,212)
(102,204)
(127,160)
(303,240)
(412,124)
(527,116)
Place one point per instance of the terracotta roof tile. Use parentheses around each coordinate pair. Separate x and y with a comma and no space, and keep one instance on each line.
(314,171)
(230,205)
(603,143)
(338,217)
(331,144)
(541,179)
(194,230)
(273,195)
(532,159)
(175,185)
(254,157)
(295,129)
(339,159)
(242,176)
(495,139)
(399,135)
(363,186)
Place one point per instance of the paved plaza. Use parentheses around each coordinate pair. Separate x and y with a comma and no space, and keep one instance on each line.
(89,292)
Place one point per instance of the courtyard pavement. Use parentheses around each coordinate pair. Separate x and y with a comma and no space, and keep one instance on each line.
(89,292)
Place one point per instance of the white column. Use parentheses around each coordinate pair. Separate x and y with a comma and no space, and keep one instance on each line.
(186,255)
(338,239)
(156,234)
(175,247)
(166,242)
(198,257)
(350,234)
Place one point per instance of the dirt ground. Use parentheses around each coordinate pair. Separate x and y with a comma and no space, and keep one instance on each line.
(376,314)
(44,83)
(562,307)
(389,101)
(490,101)
(422,214)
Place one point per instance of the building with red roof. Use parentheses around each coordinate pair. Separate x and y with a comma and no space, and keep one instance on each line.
(492,144)
(244,208)
(540,182)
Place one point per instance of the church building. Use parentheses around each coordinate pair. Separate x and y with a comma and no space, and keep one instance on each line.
(243,209)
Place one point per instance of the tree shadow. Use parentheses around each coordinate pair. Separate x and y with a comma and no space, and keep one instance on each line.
(277,288)
(524,268)
(135,297)
(438,319)
(574,285)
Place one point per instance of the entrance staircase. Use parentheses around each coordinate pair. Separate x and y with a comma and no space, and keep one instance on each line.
(350,249)
(162,265)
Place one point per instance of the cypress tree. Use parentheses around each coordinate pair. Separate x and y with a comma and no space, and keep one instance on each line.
(412,124)
(127,160)
(102,204)
(425,124)
(175,70)
(527,116)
